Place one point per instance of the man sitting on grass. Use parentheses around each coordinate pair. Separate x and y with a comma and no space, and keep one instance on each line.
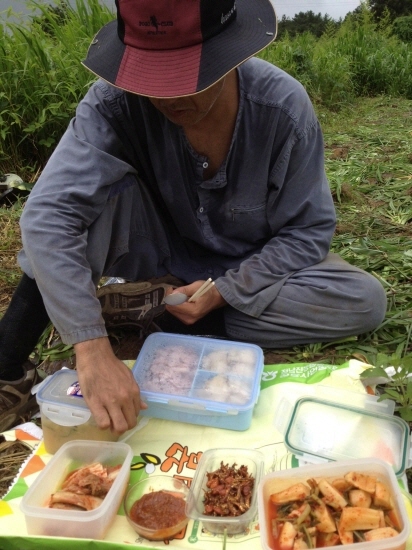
(189,159)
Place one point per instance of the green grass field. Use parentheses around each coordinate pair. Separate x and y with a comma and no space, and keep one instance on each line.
(360,80)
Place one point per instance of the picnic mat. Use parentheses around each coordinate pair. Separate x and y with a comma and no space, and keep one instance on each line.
(173,448)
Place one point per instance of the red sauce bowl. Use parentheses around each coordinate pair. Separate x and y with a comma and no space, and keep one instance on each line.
(155,507)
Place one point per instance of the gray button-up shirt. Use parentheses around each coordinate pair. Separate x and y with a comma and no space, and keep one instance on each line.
(267,212)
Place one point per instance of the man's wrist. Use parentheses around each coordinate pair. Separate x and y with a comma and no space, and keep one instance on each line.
(93,347)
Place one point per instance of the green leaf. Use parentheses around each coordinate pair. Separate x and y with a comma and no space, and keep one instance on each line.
(374,372)
(392,394)
(406,413)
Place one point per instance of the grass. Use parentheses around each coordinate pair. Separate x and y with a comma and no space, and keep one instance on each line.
(360,80)
(368,150)
(369,165)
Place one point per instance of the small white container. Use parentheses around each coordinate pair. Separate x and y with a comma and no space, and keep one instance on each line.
(210,461)
(199,380)
(91,524)
(278,481)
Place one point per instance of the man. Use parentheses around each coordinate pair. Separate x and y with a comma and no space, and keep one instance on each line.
(191,159)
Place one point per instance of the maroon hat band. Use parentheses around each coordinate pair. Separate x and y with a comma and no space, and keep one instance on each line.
(169,48)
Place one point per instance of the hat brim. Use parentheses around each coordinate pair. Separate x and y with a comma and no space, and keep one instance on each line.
(184,71)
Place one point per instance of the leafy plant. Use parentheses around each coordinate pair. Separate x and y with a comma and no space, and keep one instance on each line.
(398,384)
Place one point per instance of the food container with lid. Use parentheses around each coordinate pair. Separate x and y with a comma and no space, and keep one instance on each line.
(319,429)
(211,461)
(199,380)
(89,524)
(274,482)
(64,413)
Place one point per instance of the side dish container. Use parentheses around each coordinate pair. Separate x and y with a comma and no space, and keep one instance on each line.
(163,516)
(93,524)
(210,461)
(199,380)
(278,481)
(319,430)
(64,413)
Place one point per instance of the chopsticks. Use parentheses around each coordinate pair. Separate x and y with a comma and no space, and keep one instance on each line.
(206,286)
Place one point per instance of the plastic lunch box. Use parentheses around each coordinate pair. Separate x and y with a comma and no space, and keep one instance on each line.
(209,462)
(327,427)
(277,481)
(91,524)
(65,415)
(199,380)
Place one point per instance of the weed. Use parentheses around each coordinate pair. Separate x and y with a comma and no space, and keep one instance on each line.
(397,385)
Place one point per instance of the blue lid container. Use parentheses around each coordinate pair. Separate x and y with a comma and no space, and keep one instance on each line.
(199,380)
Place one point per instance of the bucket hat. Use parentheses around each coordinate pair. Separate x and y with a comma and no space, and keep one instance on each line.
(171,48)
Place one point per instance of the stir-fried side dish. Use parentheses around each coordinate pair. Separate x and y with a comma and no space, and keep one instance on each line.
(229,491)
(332,512)
(85,488)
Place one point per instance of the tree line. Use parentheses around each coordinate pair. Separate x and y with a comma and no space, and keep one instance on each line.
(397,13)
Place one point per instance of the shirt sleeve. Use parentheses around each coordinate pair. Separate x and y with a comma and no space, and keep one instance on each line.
(301,213)
(67,198)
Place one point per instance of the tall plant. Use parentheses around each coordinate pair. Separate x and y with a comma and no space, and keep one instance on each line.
(42,80)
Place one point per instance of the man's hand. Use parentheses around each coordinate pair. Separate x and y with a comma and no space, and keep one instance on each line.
(190,312)
(107,385)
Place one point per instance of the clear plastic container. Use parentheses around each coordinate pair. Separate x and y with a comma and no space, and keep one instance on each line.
(278,481)
(320,431)
(210,461)
(165,529)
(65,415)
(91,524)
(199,380)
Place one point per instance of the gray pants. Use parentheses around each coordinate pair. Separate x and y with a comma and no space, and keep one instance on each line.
(324,302)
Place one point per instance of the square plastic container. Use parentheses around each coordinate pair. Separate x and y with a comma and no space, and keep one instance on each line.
(64,413)
(320,431)
(199,380)
(278,481)
(90,524)
(210,461)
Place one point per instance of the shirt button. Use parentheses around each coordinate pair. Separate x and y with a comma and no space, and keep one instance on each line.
(201,209)
(205,165)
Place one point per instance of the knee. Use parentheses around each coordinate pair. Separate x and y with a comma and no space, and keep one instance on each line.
(373,303)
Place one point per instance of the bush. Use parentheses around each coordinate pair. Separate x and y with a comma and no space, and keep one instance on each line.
(359,58)
(402,28)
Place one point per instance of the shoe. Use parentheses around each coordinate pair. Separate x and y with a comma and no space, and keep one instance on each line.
(132,304)
(17,404)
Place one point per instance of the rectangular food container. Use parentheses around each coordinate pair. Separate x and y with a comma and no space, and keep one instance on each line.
(319,430)
(211,461)
(199,380)
(64,413)
(91,524)
(278,481)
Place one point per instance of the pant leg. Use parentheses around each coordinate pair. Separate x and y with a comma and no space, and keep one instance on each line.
(322,303)
(20,328)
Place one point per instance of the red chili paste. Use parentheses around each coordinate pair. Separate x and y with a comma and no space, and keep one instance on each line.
(158,510)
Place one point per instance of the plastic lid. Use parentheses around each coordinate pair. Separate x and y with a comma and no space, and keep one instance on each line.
(60,401)
(198,374)
(320,431)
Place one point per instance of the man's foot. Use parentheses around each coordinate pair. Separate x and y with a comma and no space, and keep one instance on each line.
(17,404)
(132,304)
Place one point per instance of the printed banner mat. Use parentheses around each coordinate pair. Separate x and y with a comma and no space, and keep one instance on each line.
(173,448)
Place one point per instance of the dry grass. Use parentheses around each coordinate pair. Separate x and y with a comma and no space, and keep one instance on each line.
(12,456)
